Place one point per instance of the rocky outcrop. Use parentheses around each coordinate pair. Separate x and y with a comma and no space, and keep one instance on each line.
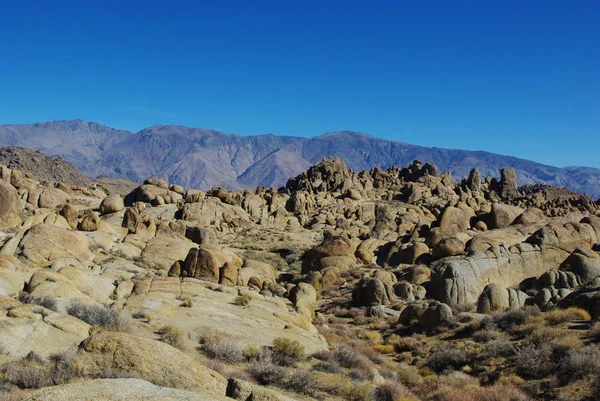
(335,251)
(429,316)
(44,244)
(111,204)
(496,298)
(459,280)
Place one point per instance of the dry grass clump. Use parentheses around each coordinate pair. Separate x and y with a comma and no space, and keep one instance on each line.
(340,385)
(101,316)
(210,336)
(477,393)
(187,301)
(560,316)
(172,335)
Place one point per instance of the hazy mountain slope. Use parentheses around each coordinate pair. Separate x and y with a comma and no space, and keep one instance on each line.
(190,156)
(274,169)
(203,158)
(79,142)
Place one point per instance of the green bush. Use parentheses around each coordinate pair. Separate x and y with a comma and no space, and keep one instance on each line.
(286,352)
(242,300)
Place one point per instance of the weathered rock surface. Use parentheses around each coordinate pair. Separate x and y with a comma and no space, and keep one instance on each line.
(118,390)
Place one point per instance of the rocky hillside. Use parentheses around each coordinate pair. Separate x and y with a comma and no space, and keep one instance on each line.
(41,166)
(395,284)
(203,159)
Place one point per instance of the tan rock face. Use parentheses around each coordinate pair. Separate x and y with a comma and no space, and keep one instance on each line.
(10,206)
(69,212)
(112,204)
(333,251)
(89,222)
(43,244)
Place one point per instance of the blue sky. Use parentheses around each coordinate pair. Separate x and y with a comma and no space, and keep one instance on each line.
(511,77)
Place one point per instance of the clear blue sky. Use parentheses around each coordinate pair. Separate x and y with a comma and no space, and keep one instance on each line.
(512,77)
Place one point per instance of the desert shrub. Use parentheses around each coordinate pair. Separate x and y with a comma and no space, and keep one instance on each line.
(172,336)
(361,374)
(447,358)
(535,361)
(301,381)
(578,363)
(140,315)
(267,373)
(65,367)
(46,302)
(461,308)
(594,333)
(507,320)
(346,357)
(499,348)
(339,385)
(328,367)
(391,392)
(27,373)
(560,316)
(287,352)
(96,315)
(487,335)
(410,377)
(324,355)
(406,344)
(242,300)
(226,351)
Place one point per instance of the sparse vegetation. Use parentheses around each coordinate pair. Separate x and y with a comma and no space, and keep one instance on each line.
(225,351)
(101,316)
(287,352)
(242,300)
(172,335)
(46,302)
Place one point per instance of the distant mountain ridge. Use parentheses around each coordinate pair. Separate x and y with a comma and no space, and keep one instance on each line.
(203,158)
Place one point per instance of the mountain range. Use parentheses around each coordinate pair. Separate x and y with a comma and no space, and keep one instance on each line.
(203,158)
